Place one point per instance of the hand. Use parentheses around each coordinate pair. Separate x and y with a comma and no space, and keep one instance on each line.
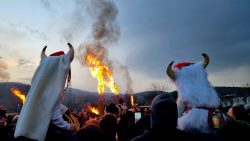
(73,127)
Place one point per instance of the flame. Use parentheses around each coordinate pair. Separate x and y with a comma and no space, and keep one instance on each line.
(132,100)
(19,94)
(94,60)
(93,110)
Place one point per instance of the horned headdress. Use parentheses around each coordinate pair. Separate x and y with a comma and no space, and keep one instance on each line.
(47,83)
(194,92)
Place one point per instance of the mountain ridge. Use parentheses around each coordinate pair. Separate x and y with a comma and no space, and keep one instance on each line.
(76,98)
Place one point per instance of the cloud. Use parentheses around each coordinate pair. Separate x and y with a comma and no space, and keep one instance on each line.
(220,29)
(230,77)
(24,62)
(27,28)
(25,80)
(4,75)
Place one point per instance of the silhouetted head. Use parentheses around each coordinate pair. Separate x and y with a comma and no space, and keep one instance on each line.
(238,112)
(163,113)
(90,133)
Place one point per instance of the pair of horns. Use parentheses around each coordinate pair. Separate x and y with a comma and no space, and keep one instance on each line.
(71,50)
(171,74)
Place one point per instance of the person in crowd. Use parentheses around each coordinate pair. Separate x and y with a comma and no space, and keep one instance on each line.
(163,121)
(3,116)
(42,104)
(83,117)
(126,126)
(163,124)
(91,121)
(238,112)
(60,120)
(4,127)
(236,127)
(137,108)
(196,96)
(69,116)
(247,108)
(122,107)
(112,109)
(90,133)
(143,123)
(108,124)
(58,117)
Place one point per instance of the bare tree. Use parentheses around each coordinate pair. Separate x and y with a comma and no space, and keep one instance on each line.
(156,87)
(246,85)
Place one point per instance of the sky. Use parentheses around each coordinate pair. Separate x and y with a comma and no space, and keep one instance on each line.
(141,38)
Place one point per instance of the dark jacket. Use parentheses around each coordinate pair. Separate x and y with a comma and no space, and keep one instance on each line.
(163,116)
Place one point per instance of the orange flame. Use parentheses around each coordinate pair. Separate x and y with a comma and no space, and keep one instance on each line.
(19,94)
(101,72)
(93,110)
(132,100)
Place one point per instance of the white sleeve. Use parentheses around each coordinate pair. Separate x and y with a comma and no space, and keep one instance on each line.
(58,120)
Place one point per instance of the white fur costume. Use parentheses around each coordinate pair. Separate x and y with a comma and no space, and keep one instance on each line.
(195,92)
(47,83)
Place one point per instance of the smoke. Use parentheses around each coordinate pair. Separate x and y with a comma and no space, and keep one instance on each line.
(128,79)
(4,76)
(25,27)
(105,30)
(46,4)
(76,22)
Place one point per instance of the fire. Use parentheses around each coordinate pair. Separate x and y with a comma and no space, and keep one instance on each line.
(94,60)
(132,100)
(93,110)
(19,94)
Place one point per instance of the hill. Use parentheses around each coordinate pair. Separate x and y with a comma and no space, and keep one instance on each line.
(12,102)
(76,99)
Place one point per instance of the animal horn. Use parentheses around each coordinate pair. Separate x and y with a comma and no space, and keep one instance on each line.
(43,53)
(206,60)
(170,72)
(71,50)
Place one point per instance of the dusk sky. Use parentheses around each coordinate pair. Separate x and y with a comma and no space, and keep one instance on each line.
(146,36)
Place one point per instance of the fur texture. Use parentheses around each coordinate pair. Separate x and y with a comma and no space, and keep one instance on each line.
(195,90)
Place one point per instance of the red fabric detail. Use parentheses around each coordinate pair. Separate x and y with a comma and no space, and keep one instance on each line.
(186,107)
(57,53)
(182,64)
(211,112)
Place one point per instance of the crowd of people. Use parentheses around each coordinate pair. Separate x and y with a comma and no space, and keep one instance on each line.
(119,124)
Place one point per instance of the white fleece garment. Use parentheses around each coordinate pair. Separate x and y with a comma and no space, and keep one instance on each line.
(195,90)
(47,83)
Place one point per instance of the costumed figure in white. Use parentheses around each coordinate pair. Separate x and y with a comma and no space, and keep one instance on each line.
(43,100)
(197,100)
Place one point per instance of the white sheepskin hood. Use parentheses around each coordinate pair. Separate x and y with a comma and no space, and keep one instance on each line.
(193,86)
(47,84)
